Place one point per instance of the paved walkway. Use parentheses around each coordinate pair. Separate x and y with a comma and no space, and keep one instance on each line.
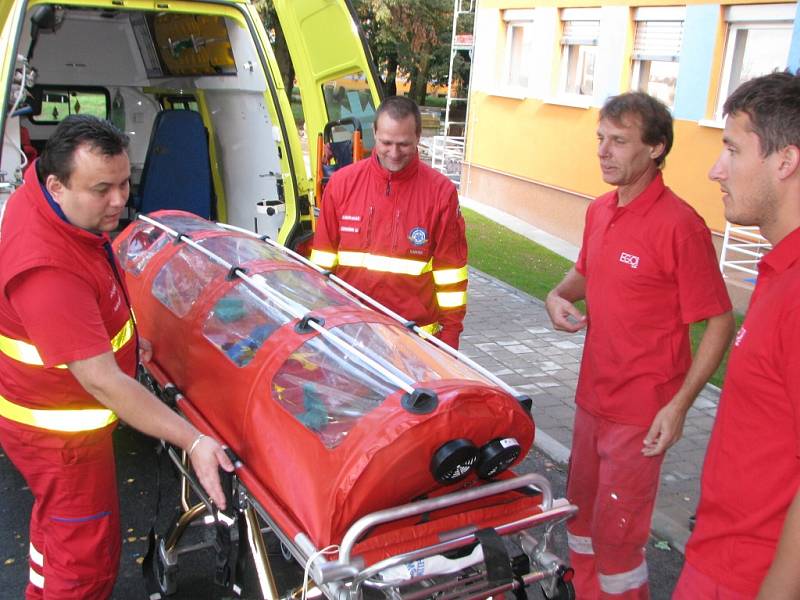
(508,332)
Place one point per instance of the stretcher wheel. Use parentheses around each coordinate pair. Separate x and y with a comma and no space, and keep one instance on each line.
(564,590)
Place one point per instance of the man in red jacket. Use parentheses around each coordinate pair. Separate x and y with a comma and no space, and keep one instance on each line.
(391,226)
(68,354)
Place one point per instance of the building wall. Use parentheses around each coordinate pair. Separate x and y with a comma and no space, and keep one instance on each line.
(531,149)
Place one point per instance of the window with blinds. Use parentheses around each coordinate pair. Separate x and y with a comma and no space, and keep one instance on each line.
(658,40)
(657,50)
(758,42)
(580,35)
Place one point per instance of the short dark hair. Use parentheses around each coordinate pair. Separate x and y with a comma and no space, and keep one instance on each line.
(654,116)
(773,104)
(75,131)
(399,108)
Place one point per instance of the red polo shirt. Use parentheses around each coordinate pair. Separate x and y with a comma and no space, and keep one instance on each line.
(752,469)
(650,270)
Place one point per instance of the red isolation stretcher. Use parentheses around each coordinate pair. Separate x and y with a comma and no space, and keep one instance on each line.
(354,431)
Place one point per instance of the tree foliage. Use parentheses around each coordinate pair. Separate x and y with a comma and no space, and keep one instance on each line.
(409,39)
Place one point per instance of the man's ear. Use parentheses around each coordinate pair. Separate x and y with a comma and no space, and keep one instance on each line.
(788,161)
(657,150)
(54,187)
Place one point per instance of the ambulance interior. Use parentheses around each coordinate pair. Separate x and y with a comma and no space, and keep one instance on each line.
(190,90)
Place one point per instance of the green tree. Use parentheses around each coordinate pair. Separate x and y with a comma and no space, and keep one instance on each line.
(409,37)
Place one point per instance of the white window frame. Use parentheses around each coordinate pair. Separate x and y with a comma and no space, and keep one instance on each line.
(653,14)
(744,17)
(578,48)
(517,20)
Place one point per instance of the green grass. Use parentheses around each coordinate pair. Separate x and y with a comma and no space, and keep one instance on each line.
(534,269)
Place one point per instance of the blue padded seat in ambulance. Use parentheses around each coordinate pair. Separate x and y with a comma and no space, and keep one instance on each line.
(177,173)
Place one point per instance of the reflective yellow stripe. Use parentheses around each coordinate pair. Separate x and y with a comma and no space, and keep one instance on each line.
(82,419)
(433,328)
(123,336)
(385,264)
(451,299)
(326,260)
(449,276)
(28,354)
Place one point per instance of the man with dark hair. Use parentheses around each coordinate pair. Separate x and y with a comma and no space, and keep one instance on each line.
(391,226)
(746,542)
(68,354)
(647,269)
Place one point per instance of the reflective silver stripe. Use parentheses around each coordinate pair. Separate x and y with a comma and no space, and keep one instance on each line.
(386,264)
(623,582)
(36,556)
(579,544)
(450,276)
(36,579)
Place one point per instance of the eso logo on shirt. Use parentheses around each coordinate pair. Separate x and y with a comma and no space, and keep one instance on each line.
(629,259)
(418,236)
(740,336)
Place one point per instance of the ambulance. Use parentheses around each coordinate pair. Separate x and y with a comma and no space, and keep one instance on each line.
(218,126)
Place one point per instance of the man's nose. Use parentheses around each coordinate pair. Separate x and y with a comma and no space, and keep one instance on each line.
(717,172)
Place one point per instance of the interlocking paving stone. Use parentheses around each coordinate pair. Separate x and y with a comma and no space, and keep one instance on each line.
(509,333)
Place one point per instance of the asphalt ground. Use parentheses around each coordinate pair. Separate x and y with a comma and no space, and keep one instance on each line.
(139,474)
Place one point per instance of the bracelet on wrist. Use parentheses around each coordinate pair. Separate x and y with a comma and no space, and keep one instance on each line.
(194,444)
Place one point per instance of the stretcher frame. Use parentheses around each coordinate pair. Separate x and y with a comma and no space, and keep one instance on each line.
(347,577)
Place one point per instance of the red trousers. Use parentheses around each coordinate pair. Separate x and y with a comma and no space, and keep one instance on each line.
(694,585)
(74,529)
(614,487)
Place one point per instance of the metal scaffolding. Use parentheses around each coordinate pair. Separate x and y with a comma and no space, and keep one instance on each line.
(447,153)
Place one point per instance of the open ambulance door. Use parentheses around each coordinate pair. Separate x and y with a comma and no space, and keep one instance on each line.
(333,68)
(11,12)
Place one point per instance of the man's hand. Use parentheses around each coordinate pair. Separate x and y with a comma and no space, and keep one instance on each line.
(666,429)
(563,314)
(206,457)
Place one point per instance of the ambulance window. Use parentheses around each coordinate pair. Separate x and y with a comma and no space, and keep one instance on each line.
(140,246)
(238,250)
(240,322)
(349,96)
(60,102)
(181,280)
(305,287)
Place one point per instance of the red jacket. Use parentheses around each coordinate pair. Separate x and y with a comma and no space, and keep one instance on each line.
(34,236)
(400,238)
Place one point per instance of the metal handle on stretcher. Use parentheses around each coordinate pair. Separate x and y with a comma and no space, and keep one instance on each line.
(384,309)
(409,510)
(388,371)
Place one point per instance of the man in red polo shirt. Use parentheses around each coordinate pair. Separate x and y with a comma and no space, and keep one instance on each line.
(647,269)
(68,354)
(746,543)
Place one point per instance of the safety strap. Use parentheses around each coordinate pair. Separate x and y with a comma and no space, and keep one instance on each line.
(27,353)
(496,558)
(68,420)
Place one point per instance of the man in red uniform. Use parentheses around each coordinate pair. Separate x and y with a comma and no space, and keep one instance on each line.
(746,542)
(68,354)
(391,227)
(647,269)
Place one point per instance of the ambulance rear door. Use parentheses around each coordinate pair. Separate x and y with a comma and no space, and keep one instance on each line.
(333,67)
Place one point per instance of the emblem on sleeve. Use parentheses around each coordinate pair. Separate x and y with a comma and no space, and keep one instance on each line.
(418,236)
